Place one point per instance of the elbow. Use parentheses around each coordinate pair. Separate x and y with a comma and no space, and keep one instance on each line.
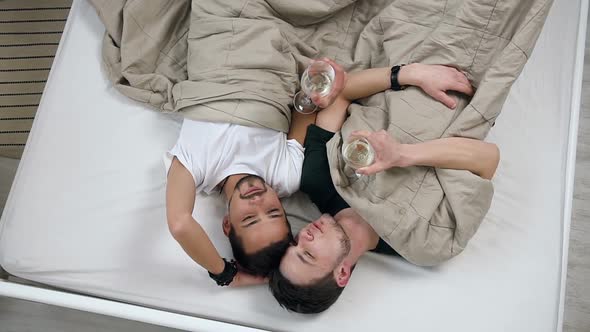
(178,225)
(493,162)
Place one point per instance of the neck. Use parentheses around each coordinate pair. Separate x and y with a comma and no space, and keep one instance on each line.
(362,236)
(230,184)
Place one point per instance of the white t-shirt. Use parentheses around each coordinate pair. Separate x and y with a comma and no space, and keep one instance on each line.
(213,151)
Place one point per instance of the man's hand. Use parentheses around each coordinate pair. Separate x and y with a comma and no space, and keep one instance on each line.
(337,86)
(436,80)
(480,158)
(388,152)
(245,279)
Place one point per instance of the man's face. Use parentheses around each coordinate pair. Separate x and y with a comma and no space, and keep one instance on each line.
(256,214)
(321,247)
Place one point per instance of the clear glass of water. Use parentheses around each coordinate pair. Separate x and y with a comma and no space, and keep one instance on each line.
(317,79)
(358,153)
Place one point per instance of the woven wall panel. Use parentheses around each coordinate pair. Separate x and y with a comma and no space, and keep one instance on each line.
(30,31)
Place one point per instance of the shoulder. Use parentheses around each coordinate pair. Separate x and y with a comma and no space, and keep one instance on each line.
(286,167)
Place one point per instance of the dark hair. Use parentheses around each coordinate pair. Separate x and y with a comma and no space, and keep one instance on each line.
(264,260)
(308,299)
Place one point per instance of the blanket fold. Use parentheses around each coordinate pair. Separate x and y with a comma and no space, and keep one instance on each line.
(428,215)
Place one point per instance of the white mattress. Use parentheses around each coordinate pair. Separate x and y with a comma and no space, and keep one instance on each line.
(86,211)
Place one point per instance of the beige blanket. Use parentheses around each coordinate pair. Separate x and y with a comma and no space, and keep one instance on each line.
(239,61)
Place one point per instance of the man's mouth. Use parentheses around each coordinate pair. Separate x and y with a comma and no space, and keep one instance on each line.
(252,191)
(317,226)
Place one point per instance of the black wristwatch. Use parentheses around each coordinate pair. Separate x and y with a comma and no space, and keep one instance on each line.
(227,275)
(395,86)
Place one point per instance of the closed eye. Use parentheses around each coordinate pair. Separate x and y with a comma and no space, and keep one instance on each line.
(247,217)
(274,213)
(252,222)
(303,259)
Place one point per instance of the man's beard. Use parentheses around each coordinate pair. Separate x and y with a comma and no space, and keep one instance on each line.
(344,243)
(248,178)
(251,178)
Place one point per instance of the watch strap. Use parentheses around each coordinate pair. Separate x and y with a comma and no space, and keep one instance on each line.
(227,275)
(395,86)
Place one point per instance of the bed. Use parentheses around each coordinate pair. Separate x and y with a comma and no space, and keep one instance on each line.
(86,212)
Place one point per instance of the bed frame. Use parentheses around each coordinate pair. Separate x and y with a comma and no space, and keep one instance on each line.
(11,287)
(570,161)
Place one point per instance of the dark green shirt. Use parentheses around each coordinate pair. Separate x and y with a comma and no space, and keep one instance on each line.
(316,181)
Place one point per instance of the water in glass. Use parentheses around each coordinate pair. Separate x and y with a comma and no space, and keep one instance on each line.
(358,153)
(317,79)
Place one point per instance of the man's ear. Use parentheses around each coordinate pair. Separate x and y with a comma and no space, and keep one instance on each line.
(226,225)
(342,274)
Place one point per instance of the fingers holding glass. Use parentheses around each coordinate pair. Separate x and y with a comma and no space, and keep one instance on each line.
(316,83)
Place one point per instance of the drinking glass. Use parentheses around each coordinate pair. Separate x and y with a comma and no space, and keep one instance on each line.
(317,79)
(358,153)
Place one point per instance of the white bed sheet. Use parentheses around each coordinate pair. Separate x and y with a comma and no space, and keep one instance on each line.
(86,211)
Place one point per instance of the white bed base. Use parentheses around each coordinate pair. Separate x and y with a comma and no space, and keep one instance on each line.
(191,323)
(115,309)
(570,162)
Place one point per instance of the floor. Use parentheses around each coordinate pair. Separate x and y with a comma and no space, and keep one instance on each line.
(29,35)
(21,316)
(577,303)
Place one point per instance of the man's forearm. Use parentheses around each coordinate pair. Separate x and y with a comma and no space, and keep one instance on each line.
(299,124)
(362,84)
(479,157)
(368,82)
(195,242)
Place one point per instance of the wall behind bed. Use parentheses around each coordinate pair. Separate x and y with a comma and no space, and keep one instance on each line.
(30,31)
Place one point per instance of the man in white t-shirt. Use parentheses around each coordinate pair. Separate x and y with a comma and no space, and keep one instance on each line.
(254,167)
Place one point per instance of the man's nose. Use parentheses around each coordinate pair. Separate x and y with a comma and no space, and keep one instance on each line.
(308,235)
